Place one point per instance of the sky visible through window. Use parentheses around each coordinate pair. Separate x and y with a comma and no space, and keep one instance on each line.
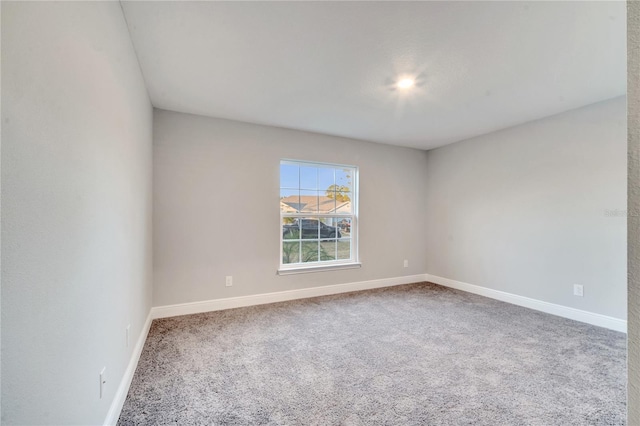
(297,179)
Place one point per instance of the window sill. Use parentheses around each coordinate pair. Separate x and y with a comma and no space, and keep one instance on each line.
(319,268)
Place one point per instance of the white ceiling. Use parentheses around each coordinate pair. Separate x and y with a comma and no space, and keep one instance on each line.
(329,67)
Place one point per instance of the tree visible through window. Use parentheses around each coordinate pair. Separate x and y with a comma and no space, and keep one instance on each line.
(318,214)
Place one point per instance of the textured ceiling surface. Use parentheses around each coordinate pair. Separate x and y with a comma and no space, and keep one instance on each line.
(330,67)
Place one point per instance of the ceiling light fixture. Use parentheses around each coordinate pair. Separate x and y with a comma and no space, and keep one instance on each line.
(405,83)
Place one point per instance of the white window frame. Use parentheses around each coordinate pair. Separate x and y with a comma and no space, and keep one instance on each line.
(353,261)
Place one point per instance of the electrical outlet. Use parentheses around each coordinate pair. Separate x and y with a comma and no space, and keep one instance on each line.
(103,381)
(128,331)
(228,281)
(406,263)
(578,290)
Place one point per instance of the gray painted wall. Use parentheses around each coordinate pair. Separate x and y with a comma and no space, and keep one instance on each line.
(523,210)
(76,198)
(633,93)
(215,207)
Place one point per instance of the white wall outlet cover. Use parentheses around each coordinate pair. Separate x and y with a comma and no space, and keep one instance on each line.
(229,281)
(406,263)
(578,290)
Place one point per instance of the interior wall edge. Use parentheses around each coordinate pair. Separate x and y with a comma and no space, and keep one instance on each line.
(633,220)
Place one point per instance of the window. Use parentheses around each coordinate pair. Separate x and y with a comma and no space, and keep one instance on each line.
(318,216)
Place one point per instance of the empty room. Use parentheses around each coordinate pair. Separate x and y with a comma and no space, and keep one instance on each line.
(320,213)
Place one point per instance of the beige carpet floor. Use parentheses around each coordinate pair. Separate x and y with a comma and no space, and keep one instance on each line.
(417,354)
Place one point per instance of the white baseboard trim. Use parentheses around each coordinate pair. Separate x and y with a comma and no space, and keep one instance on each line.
(121,394)
(304,293)
(280,296)
(550,308)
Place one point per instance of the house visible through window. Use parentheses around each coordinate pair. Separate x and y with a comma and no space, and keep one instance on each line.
(318,214)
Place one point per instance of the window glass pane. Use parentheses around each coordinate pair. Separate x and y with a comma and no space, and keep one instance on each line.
(308,177)
(344,180)
(329,228)
(309,228)
(343,202)
(309,201)
(290,252)
(290,228)
(289,176)
(327,250)
(345,227)
(344,249)
(309,251)
(289,200)
(325,178)
(327,202)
